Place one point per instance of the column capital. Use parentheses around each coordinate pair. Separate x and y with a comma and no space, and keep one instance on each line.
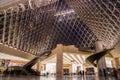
(99,46)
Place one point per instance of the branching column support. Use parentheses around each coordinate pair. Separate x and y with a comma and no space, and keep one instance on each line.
(101,62)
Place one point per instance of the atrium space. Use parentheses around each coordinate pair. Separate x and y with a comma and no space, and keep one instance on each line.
(60,39)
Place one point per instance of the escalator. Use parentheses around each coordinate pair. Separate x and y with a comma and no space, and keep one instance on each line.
(27,68)
(94,58)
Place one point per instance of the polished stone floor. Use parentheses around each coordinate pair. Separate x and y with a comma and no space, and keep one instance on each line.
(90,77)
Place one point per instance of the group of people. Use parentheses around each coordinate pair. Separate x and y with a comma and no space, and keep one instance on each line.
(112,72)
(4,63)
(81,72)
(105,72)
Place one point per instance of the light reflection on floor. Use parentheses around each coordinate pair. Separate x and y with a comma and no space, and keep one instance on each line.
(54,78)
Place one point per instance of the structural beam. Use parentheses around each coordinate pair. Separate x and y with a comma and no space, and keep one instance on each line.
(15,52)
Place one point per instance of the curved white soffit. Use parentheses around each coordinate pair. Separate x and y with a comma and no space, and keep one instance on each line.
(10,57)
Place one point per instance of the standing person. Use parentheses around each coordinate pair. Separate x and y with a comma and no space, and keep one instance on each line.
(115,73)
(7,63)
(83,72)
(104,71)
(80,72)
(3,63)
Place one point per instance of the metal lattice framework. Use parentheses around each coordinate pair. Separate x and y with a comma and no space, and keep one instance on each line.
(102,17)
(36,26)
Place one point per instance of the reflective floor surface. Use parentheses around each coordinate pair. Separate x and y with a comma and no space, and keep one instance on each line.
(90,77)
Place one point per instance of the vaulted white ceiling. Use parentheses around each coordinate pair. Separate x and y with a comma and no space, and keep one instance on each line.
(68,58)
